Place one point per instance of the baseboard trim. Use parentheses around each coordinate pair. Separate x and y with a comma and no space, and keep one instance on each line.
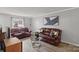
(71,43)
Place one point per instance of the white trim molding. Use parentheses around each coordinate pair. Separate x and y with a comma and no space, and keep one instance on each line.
(70,43)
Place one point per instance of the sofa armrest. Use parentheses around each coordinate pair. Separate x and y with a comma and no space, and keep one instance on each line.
(30,31)
(12,34)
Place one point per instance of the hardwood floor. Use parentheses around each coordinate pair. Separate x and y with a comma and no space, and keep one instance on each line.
(45,47)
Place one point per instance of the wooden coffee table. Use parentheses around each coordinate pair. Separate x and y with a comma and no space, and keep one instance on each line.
(13,45)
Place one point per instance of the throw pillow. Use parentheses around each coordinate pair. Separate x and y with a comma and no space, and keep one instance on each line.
(52,34)
(56,33)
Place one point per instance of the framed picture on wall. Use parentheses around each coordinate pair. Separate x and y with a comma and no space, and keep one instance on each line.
(17,22)
(53,20)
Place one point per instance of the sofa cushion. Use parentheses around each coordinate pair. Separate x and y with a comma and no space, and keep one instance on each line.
(24,29)
(46,33)
(15,31)
(17,34)
(26,32)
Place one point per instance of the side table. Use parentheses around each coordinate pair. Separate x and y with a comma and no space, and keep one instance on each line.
(13,45)
(37,38)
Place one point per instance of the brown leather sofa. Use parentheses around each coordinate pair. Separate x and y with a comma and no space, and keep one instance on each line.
(51,35)
(20,32)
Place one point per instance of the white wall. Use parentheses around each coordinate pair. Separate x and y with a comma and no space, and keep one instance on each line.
(27,22)
(36,24)
(68,23)
(5,20)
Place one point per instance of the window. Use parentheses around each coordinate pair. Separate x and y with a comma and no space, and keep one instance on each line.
(17,22)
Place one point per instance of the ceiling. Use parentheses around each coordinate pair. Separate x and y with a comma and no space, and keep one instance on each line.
(30,11)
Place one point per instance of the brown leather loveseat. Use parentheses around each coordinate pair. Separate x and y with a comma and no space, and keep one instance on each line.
(20,32)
